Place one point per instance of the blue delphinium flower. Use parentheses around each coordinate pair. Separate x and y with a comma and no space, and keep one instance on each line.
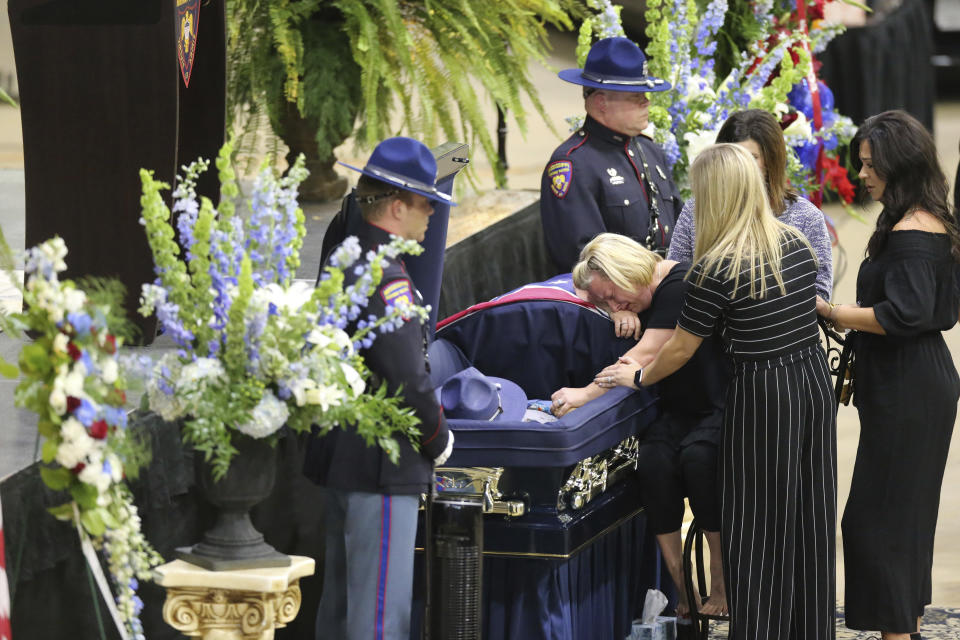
(115,416)
(80,322)
(86,413)
(705,38)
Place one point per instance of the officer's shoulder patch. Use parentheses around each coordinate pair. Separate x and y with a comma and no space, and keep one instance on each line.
(396,291)
(560,175)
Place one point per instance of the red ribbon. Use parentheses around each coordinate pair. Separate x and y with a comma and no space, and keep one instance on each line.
(814,98)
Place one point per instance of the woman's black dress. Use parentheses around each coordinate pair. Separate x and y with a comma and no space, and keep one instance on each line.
(906,391)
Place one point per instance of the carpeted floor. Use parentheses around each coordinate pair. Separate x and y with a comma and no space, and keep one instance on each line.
(938,624)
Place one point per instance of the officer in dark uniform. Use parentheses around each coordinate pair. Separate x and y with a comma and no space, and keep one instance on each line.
(371,503)
(608,176)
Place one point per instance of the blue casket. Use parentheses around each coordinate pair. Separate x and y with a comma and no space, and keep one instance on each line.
(566,551)
(554,486)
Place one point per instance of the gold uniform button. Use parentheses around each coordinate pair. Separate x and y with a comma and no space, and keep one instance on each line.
(626,202)
(630,152)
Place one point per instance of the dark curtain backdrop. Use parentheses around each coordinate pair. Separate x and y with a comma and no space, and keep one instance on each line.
(502,257)
(884,66)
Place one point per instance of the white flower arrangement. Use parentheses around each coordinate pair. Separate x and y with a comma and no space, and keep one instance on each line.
(70,377)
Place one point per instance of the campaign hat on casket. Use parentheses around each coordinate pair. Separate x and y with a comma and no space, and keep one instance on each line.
(470,395)
(615,64)
(405,163)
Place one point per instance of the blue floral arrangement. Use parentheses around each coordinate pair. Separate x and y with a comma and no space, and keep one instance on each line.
(259,350)
(773,72)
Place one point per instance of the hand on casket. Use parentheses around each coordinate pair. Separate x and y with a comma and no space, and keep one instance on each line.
(567,399)
(618,375)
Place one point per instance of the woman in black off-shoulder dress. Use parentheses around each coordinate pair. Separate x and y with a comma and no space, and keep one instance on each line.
(906,386)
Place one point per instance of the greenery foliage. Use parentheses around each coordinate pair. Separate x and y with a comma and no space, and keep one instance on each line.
(422,67)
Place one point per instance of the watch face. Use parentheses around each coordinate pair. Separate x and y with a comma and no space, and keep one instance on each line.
(637,377)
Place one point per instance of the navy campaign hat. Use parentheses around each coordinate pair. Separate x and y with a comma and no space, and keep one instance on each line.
(615,64)
(405,163)
(470,395)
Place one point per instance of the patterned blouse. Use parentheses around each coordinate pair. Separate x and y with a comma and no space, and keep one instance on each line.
(800,214)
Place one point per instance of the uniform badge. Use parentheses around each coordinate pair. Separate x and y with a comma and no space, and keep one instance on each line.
(397,292)
(187,23)
(614,178)
(560,175)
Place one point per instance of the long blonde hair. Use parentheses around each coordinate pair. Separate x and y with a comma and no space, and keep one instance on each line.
(624,262)
(735,228)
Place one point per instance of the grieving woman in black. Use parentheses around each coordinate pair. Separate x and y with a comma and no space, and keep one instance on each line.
(677,457)
(906,386)
(753,279)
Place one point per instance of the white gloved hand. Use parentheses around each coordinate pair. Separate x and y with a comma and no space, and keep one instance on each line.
(440,459)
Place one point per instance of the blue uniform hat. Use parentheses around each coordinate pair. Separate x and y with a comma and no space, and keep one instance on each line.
(405,163)
(615,64)
(470,395)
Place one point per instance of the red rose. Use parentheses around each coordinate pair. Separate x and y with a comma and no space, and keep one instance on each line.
(110,343)
(72,404)
(80,467)
(99,429)
(73,351)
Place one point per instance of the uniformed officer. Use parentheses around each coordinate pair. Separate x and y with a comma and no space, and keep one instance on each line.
(371,503)
(608,176)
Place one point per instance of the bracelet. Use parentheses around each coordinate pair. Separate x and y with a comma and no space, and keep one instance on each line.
(832,316)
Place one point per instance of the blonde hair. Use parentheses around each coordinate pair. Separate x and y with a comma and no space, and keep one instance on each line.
(622,261)
(735,229)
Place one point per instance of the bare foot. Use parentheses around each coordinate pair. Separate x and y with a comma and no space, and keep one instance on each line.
(683,609)
(716,604)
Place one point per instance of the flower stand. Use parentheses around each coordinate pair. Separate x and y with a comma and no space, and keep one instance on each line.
(231,605)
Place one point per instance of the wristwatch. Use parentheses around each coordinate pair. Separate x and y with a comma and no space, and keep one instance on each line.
(637,377)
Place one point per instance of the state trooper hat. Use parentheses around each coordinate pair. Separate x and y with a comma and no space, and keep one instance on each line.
(470,395)
(405,163)
(615,64)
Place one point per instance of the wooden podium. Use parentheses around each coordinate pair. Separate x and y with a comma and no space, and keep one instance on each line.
(101,96)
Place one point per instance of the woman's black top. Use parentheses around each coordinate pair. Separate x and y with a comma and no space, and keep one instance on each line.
(911,285)
(695,395)
(758,328)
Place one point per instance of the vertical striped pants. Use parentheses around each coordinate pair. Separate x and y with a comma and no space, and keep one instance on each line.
(778,465)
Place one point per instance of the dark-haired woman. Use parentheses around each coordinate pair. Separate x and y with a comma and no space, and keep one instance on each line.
(759,133)
(906,384)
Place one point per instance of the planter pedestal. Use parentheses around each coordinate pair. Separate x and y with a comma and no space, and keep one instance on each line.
(231,605)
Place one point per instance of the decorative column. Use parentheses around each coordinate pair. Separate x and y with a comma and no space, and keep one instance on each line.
(231,605)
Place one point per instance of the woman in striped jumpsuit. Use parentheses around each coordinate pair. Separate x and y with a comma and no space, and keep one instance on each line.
(754,279)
